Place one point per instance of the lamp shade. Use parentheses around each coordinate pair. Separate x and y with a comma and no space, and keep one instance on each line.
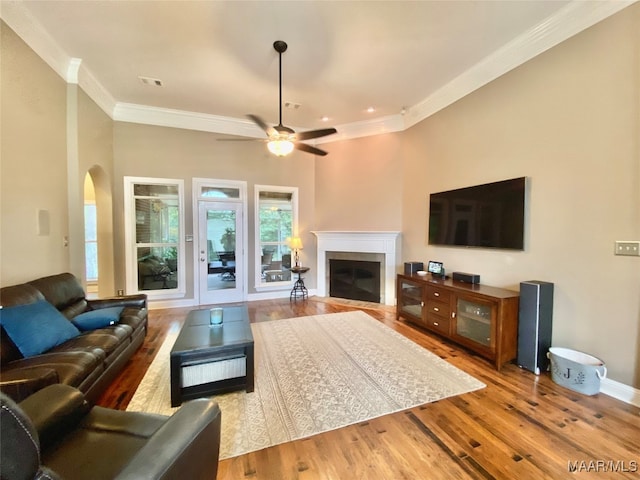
(280,148)
(295,243)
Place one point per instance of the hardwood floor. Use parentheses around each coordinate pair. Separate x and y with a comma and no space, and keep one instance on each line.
(520,427)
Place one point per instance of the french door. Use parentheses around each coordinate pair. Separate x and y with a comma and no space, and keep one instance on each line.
(221,263)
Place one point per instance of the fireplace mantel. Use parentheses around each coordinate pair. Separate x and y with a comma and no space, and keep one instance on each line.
(387,243)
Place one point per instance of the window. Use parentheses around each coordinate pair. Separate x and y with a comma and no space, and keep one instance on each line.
(219,193)
(91,242)
(154,226)
(276,222)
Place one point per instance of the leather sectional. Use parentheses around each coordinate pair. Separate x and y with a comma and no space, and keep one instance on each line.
(90,360)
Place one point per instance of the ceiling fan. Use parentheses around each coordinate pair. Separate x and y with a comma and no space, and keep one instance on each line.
(281,139)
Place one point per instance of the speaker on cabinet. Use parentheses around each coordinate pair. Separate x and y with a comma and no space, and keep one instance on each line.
(535,325)
(412,267)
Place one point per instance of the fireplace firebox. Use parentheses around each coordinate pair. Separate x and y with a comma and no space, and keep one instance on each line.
(355,280)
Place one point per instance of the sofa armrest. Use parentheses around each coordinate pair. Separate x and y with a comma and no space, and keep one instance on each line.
(54,411)
(135,301)
(186,446)
(20,383)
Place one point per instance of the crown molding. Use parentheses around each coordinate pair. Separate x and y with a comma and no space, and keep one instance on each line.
(365,128)
(575,17)
(166,117)
(96,91)
(16,15)
(71,69)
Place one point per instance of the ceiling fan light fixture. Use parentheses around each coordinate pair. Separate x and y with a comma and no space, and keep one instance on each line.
(280,148)
(283,140)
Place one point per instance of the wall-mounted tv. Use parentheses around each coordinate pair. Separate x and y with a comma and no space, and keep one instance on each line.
(489,215)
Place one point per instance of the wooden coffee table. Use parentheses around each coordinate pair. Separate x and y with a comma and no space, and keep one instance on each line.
(208,360)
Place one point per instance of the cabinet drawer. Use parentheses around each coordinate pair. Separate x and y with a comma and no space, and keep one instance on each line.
(438,308)
(437,293)
(438,323)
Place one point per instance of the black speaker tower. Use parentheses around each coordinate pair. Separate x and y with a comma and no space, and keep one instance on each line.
(535,325)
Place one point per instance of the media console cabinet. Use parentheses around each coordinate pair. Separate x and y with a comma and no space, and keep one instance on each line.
(479,317)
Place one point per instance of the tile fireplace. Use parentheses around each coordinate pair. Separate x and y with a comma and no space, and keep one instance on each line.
(382,247)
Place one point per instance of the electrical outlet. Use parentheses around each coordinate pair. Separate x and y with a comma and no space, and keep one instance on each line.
(120,293)
(630,248)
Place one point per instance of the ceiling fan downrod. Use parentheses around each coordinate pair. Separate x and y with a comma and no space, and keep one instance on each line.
(280,47)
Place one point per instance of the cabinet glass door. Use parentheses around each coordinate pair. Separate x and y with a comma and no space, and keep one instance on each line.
(474,321)
(410,298)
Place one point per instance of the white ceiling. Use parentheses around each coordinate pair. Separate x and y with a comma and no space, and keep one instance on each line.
(217,63)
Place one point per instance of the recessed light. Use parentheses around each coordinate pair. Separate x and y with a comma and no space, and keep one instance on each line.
(371,109)
(325,119)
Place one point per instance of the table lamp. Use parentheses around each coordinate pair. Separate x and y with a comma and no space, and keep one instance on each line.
(295,243)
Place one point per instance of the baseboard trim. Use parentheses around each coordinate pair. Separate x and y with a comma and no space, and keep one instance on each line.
(191,302)
(274,294)
(159,304)
(620,391)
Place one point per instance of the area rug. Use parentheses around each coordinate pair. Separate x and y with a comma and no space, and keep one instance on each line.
(315,374)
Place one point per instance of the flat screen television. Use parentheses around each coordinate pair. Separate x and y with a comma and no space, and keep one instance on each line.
(489,216)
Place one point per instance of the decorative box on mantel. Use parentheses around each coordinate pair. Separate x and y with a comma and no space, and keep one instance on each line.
(386,243)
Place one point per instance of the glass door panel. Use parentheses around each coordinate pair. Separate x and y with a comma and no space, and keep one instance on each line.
(220,258)
(410,299)
(474,321)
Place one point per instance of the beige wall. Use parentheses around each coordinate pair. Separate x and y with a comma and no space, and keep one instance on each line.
(149,151)
(33,163)
(37,170)
(570,121)
(359,185)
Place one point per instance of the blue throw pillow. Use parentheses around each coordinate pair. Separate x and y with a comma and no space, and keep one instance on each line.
(100,318)
(36,327)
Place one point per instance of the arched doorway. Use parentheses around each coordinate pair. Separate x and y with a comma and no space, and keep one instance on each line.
(99,240)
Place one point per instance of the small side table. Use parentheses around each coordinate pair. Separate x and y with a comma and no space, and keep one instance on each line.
(299,290)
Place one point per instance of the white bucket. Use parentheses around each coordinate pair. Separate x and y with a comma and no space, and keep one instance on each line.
(576,370)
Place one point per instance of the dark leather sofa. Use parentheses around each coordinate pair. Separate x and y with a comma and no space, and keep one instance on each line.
(54,434)
(90,360)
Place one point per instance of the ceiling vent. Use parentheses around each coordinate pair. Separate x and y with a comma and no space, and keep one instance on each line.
(155,82)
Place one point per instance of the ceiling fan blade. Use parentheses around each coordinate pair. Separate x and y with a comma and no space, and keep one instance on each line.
(315,133)
(270,131)
(309,149)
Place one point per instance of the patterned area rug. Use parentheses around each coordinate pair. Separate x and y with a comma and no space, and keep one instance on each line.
(315,374)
